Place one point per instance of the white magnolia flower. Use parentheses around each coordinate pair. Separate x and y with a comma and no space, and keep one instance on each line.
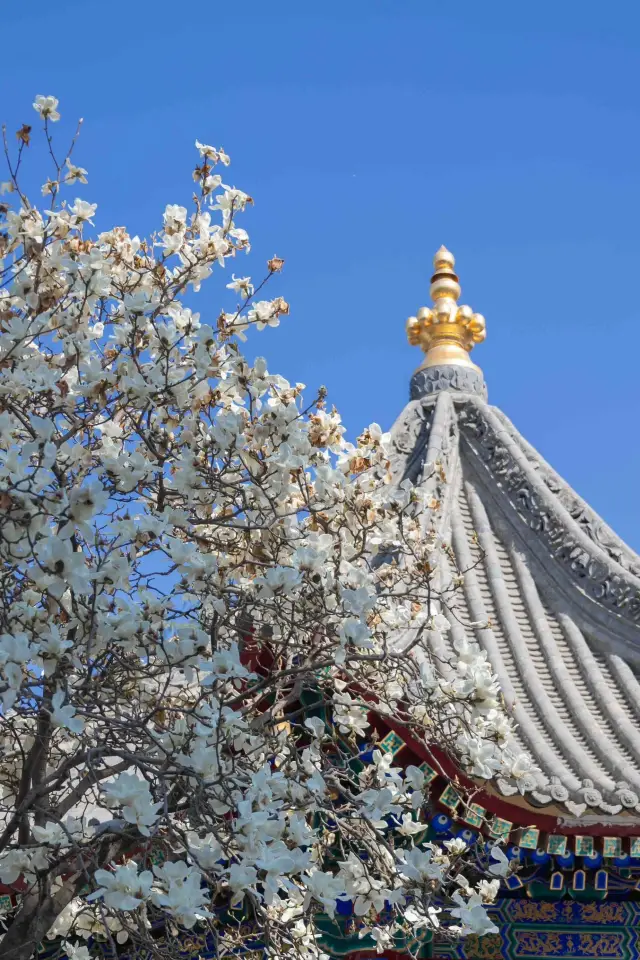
(75,174)
(383,938)
(488,890)
(76,951)
(419,917)
(323,887)
(418,864)
(350,716)
(242,877)
(52,647)
(47,107)
(241,285)
(472,915)
(503,866)
(64,716)
(133,794)
(415,779)
(408,827)
(206,151)
(455,846)
(62,568)
(174,213)
(123,888)
(178,890)
(57,834)
(316,726)
(225,664)
(83,211)
(87,501)
(13,863)
(206,852)
(281,580)
(263,314)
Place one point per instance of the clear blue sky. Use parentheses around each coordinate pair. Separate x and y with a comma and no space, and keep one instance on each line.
(369,133)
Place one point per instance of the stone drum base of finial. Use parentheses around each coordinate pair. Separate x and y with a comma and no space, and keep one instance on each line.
(430,380)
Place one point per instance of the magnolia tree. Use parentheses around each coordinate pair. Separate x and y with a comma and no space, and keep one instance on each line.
(207,595)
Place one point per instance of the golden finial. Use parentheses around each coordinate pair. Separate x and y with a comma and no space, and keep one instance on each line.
(446,332)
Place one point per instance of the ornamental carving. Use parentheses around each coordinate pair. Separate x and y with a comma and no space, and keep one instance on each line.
(431,380)
(409,439)
(588,521)
(598,579)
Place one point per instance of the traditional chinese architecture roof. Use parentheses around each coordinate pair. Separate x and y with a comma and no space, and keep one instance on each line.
(534,576)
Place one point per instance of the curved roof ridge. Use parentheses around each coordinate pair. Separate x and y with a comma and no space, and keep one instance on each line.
(442,415)
(585,561)
(591,522)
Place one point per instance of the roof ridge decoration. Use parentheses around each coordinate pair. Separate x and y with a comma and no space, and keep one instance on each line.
(588,562)
(586,518)
(446,333)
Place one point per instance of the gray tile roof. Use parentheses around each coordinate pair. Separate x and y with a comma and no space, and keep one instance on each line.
(548,591)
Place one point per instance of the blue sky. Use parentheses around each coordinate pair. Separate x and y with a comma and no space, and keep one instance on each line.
(369,133)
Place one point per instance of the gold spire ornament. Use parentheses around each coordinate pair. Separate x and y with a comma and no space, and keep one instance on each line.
(446,332)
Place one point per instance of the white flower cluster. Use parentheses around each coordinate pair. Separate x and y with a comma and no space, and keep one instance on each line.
(203,587)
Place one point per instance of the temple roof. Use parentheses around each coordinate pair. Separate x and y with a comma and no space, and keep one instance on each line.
(537,578)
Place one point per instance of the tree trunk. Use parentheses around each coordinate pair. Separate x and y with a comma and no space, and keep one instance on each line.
(34,918)
(39,910)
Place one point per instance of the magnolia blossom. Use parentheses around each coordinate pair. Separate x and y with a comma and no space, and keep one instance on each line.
(75,952)
(455,846)
(64,716)
(472,915)
(123,888)
(179,892)
(420,864)
(47,107)
(207,590)
(133,796)
(383,938)
(502,867)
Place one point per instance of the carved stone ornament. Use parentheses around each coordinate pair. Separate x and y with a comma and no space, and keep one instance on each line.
(598,576)
(586,518)
(431,380)
(409,438)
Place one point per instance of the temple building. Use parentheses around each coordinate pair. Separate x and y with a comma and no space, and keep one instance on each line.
(552,595)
